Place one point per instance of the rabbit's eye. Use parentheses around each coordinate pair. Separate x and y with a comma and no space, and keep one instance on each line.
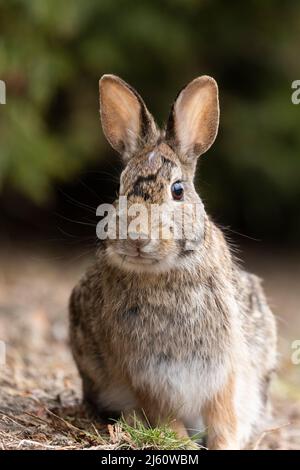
(177,190)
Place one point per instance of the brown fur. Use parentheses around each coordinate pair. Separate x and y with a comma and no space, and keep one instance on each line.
(220,418)
(180,334)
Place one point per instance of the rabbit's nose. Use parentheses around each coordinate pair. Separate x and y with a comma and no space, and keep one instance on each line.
(138,240)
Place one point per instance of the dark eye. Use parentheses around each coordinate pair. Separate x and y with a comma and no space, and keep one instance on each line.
(177,190)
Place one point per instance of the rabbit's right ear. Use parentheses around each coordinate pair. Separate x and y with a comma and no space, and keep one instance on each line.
(126,122)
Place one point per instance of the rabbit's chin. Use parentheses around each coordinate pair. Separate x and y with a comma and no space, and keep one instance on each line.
(140,264)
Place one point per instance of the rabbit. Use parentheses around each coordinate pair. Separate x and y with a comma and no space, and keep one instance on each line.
(182,336)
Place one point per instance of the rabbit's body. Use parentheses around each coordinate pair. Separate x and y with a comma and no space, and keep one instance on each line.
(191,339)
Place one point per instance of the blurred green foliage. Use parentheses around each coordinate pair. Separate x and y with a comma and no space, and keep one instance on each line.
(53,52)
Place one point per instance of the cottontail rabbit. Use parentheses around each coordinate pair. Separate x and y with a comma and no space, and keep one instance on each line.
(183,334)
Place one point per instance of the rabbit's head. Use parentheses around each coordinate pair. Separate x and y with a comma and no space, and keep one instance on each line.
(158,172)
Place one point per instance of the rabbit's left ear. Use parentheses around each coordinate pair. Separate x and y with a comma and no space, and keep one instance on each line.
(194,119)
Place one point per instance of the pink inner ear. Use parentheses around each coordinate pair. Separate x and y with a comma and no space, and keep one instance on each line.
(197,115)
(120,111)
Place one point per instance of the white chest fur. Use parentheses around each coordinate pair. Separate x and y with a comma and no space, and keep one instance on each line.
(185,386)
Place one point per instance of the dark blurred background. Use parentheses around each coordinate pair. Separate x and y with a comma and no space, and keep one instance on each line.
(54,162)
(56,167)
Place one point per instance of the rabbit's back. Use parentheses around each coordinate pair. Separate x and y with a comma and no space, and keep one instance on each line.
(258,321)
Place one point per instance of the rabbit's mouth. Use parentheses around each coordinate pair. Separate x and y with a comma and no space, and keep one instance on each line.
(141,251)
(137,260)
(139,257)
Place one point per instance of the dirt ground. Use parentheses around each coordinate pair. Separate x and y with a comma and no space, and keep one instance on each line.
(39,386)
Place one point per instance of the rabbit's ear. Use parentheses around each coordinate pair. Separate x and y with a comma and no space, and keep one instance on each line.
(194,119)
(126,122)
